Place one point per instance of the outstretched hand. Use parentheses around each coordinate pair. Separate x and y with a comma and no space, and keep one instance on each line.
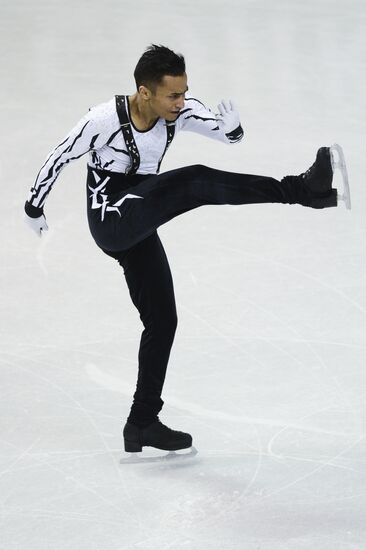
(229,116)
(37,224)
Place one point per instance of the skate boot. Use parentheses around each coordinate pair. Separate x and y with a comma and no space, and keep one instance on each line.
(315,185)
(155,435)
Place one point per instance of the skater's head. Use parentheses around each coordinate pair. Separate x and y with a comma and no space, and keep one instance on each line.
(156,63)
(161,80)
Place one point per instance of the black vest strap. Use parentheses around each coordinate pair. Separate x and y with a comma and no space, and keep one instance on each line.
(170,131)
(121,106)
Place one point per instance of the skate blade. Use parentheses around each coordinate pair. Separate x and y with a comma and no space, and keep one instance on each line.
(338,161)
(135,458)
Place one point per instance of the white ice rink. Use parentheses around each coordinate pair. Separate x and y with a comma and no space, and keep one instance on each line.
(267,370)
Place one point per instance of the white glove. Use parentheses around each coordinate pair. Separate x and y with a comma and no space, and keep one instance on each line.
(37,224)
(229,116)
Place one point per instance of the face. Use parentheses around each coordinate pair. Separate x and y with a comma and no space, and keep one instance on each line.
(168,99)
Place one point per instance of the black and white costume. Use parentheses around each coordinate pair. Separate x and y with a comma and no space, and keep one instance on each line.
(99,134)
(128,200)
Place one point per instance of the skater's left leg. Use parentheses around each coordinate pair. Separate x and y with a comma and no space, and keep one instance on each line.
(150,285)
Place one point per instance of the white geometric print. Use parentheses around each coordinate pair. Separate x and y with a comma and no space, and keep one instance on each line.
(98,192)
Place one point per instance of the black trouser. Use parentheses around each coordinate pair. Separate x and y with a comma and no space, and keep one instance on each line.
(150,284)
(127,231)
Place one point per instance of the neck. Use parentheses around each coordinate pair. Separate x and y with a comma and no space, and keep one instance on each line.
(142,115)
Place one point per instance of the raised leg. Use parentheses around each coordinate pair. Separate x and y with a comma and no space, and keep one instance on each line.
(122,220)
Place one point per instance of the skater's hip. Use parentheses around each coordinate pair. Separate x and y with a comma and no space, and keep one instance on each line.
(115,182)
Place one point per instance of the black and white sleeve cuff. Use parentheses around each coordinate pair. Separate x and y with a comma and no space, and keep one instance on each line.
(33,211)
(236,135)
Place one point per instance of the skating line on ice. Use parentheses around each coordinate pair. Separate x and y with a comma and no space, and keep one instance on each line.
(315,471)
(219,333)
(24,453)
(339,387)
(38,513)
(340,390)
(116,384)
(287,267)
(224,290)
(34,460)
(341,393)
(135,514)
(281,456)
(300,340)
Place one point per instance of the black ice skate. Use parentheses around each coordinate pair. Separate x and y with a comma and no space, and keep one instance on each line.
(316,182)
(155,435)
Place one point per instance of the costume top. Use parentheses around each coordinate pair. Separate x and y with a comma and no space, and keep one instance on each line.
(100,134)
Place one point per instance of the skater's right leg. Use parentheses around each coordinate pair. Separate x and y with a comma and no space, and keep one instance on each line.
(126,218)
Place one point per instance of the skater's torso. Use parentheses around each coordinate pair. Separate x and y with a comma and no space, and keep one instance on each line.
(112,154)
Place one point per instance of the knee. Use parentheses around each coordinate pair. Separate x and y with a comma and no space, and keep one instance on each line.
(200,169)
(163,325)
(201,173)
(196,170)
(168,323)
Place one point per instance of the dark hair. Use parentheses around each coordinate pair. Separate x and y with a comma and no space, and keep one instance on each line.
(155,63)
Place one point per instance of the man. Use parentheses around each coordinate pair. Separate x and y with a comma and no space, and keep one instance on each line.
(127,138)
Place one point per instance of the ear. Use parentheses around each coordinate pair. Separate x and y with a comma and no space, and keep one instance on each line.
(144,92)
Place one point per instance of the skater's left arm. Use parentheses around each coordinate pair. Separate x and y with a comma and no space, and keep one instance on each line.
(224,126)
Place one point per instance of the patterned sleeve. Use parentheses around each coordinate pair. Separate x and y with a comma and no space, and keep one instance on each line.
(81,139)
(196,117)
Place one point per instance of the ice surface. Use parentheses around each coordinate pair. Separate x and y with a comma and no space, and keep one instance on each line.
(268,367)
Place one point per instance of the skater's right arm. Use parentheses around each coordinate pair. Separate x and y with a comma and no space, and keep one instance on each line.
(91,132)
(225,126)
